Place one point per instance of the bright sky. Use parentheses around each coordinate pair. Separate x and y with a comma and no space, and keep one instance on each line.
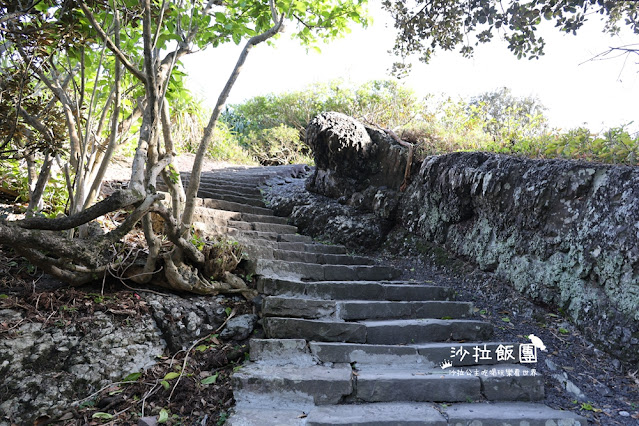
(600,94)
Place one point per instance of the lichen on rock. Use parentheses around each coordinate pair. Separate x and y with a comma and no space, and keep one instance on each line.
(563,232)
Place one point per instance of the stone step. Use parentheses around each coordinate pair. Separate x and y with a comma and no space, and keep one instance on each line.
(263,227)
(408,414)
(217,183)
(254,237)
(243,189)
(413,414)
(223,216)
(321,258)
(256,251)
(310,271)
(348,290)
(373,383)
(353,310)
(513,413)
(234,207)
(394,332)
(239,192)
(312,247)
(257,202)
(401,332)
(429,354)
(319,384)
(222,221)
(409,383)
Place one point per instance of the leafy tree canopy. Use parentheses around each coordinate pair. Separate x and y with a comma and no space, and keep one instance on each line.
(428,25)
(101,72)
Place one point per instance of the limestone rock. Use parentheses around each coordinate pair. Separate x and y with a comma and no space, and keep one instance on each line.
(239,327)
(45,369)
(184,320)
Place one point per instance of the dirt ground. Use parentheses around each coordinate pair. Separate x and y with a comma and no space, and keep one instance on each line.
(609,388)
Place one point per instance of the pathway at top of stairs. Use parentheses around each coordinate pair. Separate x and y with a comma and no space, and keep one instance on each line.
(348,345)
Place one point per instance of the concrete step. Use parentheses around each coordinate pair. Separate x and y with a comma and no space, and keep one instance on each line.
(428,354)
(401,332)
(254,237)
(319,384)
(312,247)
(223,216)
(236,188)
(250,191)
(225,184)
(377,383)
(234,207)
(513,413)
(353,310)
(257,202)
(399,413)
(413,414)
(349,290)
(310,271)
(263,227)
(256,251)
(409,414)
(394,332)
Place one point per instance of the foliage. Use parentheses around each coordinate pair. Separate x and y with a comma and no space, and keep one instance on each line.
(508,118)
(14,179)
(457,125)
(278,145)
(107,72)
(226,147)
(265,124)
(386,103)
(426,26)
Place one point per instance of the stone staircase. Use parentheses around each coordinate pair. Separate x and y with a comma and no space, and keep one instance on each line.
(347,345)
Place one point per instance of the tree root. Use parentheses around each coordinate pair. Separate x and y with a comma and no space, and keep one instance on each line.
(183,277)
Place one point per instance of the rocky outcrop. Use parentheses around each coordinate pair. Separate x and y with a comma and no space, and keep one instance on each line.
(361,166)
(46,369)
(565,233)
(360,170)
(326,219)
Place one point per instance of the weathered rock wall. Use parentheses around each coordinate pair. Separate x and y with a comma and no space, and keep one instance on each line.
(565,233)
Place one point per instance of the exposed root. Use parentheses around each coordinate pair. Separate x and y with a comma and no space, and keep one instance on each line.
(183,277)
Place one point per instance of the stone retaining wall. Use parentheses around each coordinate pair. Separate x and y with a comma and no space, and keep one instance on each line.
(565,233)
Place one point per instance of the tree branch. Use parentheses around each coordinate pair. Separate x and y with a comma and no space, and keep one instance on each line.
(112,47)
(118,200)
(194,181)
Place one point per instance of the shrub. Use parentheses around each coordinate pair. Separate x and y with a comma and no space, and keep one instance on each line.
(278,146)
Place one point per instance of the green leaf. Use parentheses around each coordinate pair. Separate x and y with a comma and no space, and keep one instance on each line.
(104,416)
(132,377)
(201,348)
(505,319)
(164,416)
(3,296)
(172,375)
(210,380)
(165,384)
